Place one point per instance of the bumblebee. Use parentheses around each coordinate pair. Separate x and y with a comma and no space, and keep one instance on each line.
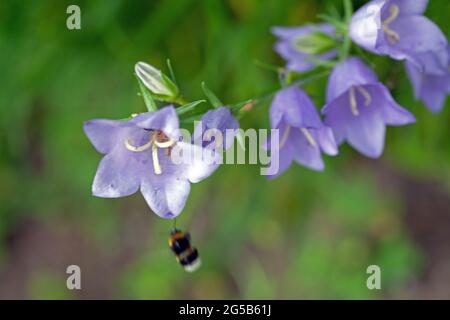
(187,256)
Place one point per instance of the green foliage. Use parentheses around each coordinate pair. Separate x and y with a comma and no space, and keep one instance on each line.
(45,285)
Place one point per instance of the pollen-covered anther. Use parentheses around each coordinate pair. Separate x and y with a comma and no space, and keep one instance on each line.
(308,137)
(393,36)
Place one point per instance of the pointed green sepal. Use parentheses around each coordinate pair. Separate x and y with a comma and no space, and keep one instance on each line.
(188,107)
(212,98)
(146,95)
(160,86)
(314,43)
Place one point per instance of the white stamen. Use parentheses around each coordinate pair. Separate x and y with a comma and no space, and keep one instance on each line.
(154,144)
(366,94)
(393,36)
(353,103)
(309,137)
(129,145)
(166,144)
(287,129)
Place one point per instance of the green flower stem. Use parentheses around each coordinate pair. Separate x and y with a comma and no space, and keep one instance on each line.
(294,77)
(240,109)
(347,43)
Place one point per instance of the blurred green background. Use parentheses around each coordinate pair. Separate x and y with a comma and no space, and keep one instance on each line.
(303,235)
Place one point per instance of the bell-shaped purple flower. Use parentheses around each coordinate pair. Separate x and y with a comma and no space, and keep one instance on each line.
(138,157)
(302,135)
(217,127)
(297,60)
(359,107)
(432,89)
(398,29)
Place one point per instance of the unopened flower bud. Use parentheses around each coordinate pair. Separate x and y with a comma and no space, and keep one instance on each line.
(314,43)
(159,85)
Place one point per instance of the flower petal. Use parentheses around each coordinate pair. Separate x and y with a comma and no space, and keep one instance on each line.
(165,195)
(165,119)
(417,34)
(285,159)
(104,134)
(306,154)
(326,140)
(365,131)
(431,62)
(118,175)
(289,33)
(284,150)
(365,25)
(295,107)
(431,89)
(407,7)
(366,134)
(220,119)
(351,72)
(192,162)
(392,113)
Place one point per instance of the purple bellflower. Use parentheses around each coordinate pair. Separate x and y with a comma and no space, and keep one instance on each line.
(398,29)
(297,60)
(302,134)
(432,89)
(215,121)
(359,107)
(138,157)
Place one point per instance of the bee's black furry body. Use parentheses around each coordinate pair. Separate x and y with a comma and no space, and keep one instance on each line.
(187,256)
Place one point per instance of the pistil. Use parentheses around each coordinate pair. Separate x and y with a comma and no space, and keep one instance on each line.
(156,165)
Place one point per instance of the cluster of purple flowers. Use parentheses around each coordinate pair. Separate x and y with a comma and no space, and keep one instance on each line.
(398,29)
(137,151)
(358,106)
